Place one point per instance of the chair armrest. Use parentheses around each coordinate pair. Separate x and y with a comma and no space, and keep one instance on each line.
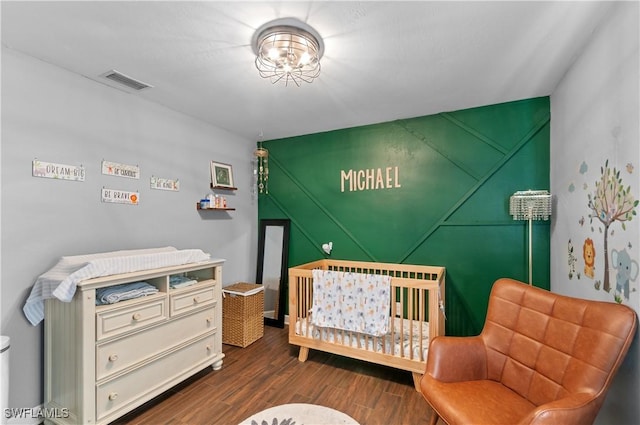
(575,409)
(455,359)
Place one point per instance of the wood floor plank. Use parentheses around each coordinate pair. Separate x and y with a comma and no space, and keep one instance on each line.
(267,373)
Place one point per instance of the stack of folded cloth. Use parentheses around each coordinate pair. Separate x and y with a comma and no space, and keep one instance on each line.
(176,282)
(125,291)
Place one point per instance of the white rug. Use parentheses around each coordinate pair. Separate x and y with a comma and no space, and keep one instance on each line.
(299,414)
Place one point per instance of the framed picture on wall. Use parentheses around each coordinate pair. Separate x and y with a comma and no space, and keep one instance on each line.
(221,175)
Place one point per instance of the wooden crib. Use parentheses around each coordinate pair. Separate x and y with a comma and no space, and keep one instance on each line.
(417,311)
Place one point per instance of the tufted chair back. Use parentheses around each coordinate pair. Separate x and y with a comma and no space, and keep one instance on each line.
(545,347)
(536,349)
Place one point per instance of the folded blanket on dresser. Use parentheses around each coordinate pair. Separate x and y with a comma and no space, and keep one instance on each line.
(124,291)
(351,301)
(177,282)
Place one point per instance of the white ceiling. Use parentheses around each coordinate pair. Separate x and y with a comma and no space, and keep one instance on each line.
(383,60)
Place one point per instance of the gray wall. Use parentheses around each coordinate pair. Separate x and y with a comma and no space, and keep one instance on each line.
(56,116)
(594,121)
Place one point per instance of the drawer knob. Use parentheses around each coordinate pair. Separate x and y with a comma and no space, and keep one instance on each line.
(196,300)
(113,357)
(209,320)
(208,348)
(113,396)
(136,316)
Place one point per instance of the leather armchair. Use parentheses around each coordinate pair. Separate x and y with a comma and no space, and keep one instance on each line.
(541,358)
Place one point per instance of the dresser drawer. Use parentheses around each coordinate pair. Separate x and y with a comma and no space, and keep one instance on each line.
(116,355)
(136,387)
(115,320)
(184,301)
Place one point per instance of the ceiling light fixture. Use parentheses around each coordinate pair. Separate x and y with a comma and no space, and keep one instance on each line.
(288,50)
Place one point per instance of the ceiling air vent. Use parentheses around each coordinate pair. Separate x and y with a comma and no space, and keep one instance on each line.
(125,80)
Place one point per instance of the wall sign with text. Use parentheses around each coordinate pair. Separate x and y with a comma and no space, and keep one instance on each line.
(165,184)
(115,196)
(120,170)
(51,170)
(370,179)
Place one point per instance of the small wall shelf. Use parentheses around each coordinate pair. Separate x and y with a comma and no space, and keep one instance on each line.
(213,209)
(222,187)
(221,208)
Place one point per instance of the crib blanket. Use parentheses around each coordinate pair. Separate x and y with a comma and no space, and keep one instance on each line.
(351,301)
(61,280)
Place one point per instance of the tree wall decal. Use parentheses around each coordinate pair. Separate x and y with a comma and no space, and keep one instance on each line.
(610,202)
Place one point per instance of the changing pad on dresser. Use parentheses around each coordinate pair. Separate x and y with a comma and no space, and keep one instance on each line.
(60,281)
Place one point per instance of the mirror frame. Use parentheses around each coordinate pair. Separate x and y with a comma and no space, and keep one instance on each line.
(284,266)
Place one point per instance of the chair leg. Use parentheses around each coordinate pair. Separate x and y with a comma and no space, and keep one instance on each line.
(417,377)
(434,418)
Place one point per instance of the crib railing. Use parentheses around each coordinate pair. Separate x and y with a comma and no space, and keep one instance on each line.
(417,297)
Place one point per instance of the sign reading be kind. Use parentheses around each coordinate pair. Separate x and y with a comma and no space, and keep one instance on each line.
(370,179)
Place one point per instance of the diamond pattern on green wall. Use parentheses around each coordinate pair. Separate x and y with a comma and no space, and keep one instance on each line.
(426,190)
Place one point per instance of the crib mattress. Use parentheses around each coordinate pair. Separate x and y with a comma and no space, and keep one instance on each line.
(405,343)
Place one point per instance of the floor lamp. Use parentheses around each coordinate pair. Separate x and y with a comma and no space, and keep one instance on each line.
(530,205)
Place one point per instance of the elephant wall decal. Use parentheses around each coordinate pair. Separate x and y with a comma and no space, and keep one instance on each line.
(627,271)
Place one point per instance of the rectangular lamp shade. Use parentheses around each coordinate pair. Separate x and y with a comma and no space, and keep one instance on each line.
(530,205)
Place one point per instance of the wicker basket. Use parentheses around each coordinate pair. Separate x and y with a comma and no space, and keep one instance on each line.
(242,314)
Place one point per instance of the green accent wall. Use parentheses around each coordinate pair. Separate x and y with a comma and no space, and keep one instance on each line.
(429,190)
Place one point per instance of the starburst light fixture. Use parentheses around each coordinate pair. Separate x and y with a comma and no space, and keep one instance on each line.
(288,50)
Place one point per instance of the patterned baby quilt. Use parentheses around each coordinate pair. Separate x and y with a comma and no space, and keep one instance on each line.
(351,301)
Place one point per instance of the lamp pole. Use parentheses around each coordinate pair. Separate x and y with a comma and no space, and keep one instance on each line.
(530,248)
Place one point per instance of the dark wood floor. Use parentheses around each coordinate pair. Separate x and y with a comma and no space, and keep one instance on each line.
(267,373)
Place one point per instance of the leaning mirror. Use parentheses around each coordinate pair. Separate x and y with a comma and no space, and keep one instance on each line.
(273,259)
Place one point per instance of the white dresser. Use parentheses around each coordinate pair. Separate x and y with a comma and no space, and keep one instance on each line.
(103,361)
